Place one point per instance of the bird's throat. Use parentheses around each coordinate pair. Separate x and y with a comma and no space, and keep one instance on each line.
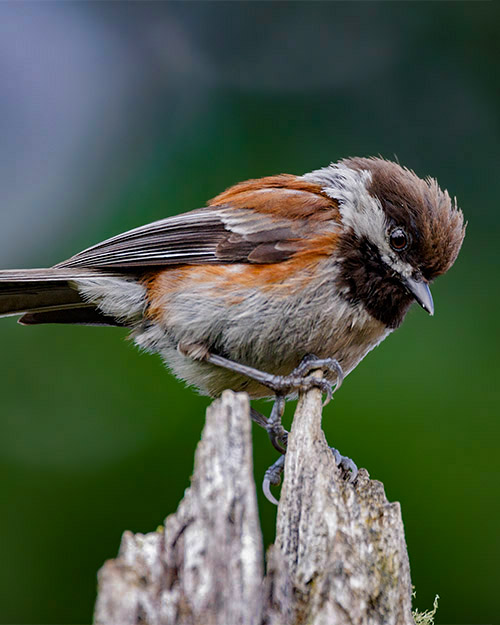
(364,279)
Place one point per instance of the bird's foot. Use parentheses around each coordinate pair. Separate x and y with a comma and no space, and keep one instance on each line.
(272,477)
(275,430)
(346,465)
(301,378)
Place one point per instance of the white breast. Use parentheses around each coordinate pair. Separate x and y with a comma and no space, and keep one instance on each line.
(271,334)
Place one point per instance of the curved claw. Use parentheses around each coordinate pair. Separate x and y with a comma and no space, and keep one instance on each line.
(266,489)
(301,380)
(336,455)
(340,377)
(347,465)
(275,441)
(272,477)
(327,389)
(275,430)
(310,363)
(350,465)
(338,383)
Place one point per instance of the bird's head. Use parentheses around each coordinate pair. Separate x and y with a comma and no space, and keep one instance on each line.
(399,232)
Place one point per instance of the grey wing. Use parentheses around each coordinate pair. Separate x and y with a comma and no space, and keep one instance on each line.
(190,237)
(207,235)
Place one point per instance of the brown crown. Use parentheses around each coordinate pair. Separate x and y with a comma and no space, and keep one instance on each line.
(433,221)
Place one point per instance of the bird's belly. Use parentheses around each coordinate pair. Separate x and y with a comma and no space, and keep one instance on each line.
(269,334)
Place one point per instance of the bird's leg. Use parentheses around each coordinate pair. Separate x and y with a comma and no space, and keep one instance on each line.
(300,379)
(277,433)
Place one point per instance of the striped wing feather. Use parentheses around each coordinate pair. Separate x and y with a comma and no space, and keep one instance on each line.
(205,236)
(258,221)
(265,221)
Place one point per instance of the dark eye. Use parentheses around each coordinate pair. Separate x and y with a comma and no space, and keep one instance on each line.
(398,239)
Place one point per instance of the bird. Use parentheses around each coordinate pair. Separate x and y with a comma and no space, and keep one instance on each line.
(275,277)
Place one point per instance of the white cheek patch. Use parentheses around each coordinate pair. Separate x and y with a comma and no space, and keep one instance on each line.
(359,210)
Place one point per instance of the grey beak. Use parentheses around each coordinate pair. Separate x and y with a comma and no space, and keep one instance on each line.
(421,292)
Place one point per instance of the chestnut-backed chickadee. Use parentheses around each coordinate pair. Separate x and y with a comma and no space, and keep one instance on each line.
(274,273)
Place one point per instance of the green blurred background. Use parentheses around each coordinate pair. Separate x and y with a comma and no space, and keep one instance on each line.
(115,114)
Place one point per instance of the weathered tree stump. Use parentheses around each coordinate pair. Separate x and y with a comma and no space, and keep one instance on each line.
(339,556)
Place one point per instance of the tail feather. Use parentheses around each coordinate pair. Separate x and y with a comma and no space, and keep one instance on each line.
(48,296)
(87,316)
